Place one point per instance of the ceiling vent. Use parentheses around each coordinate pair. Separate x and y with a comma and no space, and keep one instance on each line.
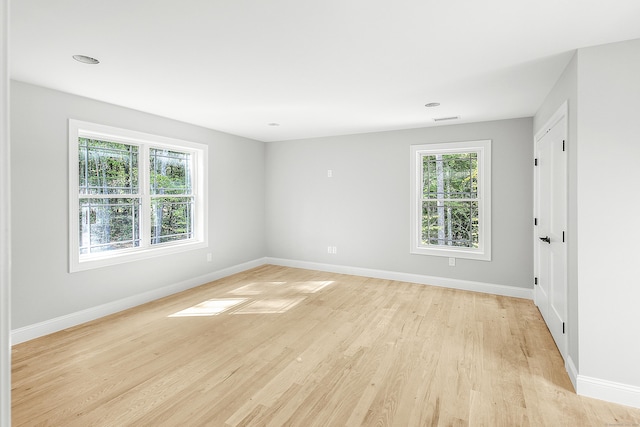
(442,119)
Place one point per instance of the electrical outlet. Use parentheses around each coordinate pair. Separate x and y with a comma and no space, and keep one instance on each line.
(329,173)
(332,250)
(452,262)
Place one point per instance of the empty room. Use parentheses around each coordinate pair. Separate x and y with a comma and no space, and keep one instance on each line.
(329,213)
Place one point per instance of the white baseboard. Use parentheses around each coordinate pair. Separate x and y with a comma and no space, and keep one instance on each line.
(586,386)
(572,371)
(610,391)
(590,387)
(487,288)
(63,322)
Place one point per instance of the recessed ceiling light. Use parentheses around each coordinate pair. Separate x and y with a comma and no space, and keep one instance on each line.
(86,59)
(432,104)
(274,124)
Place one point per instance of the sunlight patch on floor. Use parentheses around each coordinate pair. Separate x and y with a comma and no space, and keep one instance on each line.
(251,303)
(257,288)
(311,286)
(270,306)
(210,307)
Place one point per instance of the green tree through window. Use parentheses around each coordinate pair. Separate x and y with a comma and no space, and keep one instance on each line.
(133,195)
(109,197)
(171,199)
(451,199)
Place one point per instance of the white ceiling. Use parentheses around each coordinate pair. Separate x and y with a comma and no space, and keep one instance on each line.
(318,68)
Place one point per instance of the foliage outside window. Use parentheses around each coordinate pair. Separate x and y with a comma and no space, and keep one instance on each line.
(451,199)
(133,195)
(172,201)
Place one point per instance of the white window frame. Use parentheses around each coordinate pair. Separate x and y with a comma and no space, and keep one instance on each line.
(199,152)
(483,150)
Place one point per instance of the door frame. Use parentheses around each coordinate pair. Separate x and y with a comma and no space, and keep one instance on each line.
(561,114)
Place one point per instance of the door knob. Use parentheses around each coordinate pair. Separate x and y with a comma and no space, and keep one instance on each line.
(546,239)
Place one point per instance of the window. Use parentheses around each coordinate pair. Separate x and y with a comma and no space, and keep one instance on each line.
(451,199)
(133,195)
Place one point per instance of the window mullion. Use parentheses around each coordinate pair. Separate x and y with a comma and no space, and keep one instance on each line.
(86,167)
(108,196)
(145,197)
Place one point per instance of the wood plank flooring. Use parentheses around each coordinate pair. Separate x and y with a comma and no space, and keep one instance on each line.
(278,346)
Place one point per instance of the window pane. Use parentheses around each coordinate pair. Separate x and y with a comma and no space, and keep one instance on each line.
(450,176)
(170,172)
(450,223)
(107,167)
(108,224)
(171,219)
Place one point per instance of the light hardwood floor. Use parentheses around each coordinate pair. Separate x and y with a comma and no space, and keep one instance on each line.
(280,346)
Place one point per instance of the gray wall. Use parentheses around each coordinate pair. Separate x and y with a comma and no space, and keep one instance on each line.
(602,88)
(42,288)
(566,89)
(364,209)
(608,206)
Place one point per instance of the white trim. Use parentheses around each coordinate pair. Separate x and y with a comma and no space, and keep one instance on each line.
(609,391)
(562,113)
(5,222)
(586,386)
(200,153)
(63,322)
(572,371)
(59,323)
(483,149)
(443,282)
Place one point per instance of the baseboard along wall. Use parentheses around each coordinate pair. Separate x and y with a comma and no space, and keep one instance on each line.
(610,391)
(47,327)
(587,386)
(63,322)
(466,285)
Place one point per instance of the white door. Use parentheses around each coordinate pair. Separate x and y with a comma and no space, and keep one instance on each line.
(550,200)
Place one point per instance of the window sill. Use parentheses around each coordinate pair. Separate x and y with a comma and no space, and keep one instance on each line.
(453,253)
(99,260)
